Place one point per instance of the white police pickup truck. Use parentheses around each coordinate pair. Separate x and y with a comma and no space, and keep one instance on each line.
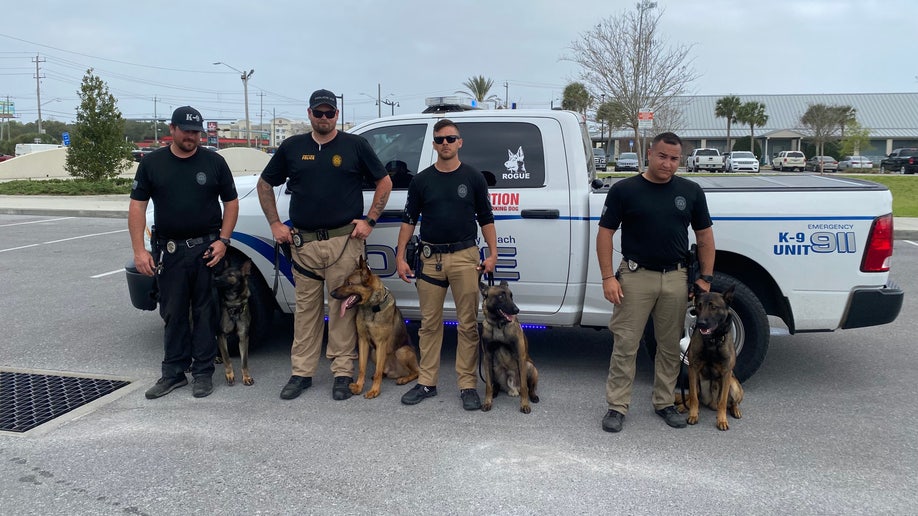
(812,251)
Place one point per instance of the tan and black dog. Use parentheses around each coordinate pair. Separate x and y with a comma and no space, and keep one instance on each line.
(711,357)
(235,316)
(505,350)
(381,330)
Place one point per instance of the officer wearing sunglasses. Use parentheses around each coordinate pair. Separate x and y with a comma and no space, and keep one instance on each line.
(453,199)
(324,171)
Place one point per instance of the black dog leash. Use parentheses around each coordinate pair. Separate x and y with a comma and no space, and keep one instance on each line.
(490,277)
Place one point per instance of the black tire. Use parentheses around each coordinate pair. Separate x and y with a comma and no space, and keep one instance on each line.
(751,328)
(263,306)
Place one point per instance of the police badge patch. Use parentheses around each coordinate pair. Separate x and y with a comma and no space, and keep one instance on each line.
(462,191)
(680,203)
(201,178)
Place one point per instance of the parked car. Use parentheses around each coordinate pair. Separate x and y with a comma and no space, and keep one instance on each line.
(855,162)
(599,158)
(742,160)
(138,154)
(4,157)
(793,160)
(627,161)
(904,161)
(822,164)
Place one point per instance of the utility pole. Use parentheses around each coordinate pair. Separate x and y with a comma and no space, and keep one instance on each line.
(391,103)
(378,100)
(261,115)
(38,78)
(155,124)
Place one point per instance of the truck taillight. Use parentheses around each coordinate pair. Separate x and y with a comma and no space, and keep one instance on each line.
(879,245)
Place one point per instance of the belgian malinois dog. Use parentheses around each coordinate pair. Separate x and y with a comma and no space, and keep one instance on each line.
(711,356)
(505,350)
(235,317)
(381,330)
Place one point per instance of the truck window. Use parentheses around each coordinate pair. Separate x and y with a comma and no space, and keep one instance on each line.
(511,152)
(399,148)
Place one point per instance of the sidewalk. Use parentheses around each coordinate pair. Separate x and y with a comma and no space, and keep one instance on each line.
(116,206)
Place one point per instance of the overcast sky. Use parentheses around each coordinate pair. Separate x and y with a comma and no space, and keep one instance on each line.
(419,48)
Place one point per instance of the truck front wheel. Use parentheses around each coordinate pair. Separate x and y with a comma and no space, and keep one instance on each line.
(751,330)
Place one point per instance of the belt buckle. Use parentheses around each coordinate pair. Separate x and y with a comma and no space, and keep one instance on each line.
(426,251)
(170,246)
(190,243)
(321,234)
(632,265)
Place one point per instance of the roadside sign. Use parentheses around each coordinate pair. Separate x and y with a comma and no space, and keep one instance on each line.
(645,119)
(65,137)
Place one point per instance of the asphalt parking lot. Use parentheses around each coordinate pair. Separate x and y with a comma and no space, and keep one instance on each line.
(827,426)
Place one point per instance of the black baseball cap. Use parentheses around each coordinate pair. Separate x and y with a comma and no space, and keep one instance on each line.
(320,97)
(188,118)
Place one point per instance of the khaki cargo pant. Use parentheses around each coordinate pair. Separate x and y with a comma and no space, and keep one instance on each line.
(665,295)
(333,259)
(460,269)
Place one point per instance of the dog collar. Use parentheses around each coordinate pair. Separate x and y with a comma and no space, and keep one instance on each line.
(382,304)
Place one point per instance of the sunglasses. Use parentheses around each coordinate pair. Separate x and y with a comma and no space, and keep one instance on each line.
(449,139)
(318,113)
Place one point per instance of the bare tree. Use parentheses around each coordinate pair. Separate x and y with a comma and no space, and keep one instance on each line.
(625,58)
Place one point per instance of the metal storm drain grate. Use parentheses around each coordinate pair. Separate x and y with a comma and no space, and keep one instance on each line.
(28,400)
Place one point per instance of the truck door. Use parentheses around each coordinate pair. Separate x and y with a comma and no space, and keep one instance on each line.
(530,197)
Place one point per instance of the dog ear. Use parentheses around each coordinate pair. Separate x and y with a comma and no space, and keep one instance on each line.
(728,294)
(504,283)
(246,268)
(519,153)
(483,289)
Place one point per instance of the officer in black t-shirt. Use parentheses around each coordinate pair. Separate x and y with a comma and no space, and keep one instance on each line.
(654,210)
(190,237)
(324,171)
(451,201)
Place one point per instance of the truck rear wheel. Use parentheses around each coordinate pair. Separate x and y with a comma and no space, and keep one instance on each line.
(751,330)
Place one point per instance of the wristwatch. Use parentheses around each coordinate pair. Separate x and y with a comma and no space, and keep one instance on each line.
(707,277)
(371,222)
(226,241)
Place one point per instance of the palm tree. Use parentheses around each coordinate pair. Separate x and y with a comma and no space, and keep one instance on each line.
(576,97)
(752,113)
(478,88)
(726,108)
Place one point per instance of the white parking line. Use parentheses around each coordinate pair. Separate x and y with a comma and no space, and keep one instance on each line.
(20,247)
(107,274)
(84,236)
(910,242)
(34,222)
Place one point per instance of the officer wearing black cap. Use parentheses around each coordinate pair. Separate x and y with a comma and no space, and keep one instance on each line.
(190,237)
(324,171)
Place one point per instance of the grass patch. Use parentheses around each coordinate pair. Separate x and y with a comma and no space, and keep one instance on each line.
(120,185)
(904,190)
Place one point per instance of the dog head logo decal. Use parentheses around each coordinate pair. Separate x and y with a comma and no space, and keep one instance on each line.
(515,165)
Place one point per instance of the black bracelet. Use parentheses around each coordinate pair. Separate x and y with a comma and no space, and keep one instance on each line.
(607,277)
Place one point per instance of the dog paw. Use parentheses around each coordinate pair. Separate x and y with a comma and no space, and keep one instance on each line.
(248,380)
(355,388)
(486,406)
(692,420)
(525,409)
(736,413)
(722,425)
(533,398)
(230,379)
(371,394)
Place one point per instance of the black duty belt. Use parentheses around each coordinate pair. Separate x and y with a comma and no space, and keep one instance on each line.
(428,249)
(171,245)
(633,266)
(302,236)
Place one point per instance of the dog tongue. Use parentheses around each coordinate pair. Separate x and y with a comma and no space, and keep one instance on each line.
(347,304)
(506,316)
(705,331)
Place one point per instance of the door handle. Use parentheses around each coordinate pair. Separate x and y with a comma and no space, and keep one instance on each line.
(540,214)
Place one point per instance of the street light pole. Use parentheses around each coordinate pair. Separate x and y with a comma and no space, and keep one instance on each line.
(639,83)
(245,88)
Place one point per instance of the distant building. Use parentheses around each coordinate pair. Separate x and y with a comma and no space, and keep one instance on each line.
(891,119)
